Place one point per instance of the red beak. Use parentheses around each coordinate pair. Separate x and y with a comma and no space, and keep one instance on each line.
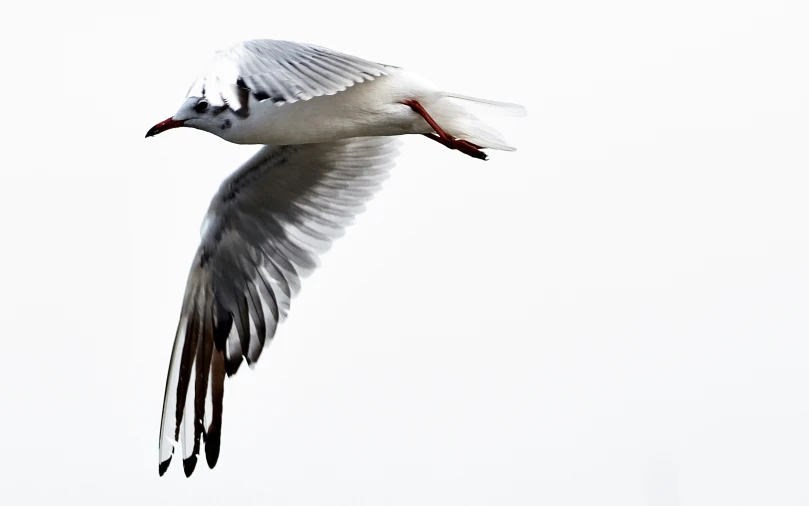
(163,126)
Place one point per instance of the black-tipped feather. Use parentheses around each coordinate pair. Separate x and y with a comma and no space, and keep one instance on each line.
(189,354)
(213,437)
(242,320)
(189,464)
(265,229)
(164,466)
(204,350)
(222,325)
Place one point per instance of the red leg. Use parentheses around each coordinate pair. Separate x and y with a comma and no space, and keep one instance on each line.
(443,137)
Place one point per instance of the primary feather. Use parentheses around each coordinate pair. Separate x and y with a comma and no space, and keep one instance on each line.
(263,232)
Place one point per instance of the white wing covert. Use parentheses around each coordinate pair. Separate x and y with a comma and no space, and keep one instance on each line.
(280,71)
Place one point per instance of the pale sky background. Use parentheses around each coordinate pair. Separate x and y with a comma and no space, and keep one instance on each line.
(615,314)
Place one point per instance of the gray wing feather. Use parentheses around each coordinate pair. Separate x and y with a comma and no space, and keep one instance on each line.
(282,72)
(263,232)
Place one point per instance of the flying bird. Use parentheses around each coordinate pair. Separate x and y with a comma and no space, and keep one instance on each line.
(328,122)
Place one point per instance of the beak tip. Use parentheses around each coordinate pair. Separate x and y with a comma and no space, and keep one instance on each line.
(163,126)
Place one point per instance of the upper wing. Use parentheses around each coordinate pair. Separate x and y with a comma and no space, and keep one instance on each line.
(263,232)
(280,71)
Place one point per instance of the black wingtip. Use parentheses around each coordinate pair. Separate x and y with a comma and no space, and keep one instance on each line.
(164,465)
(232,366)
(212,449)
(189,464)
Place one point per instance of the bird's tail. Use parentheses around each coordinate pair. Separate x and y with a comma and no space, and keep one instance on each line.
(457,121)
(506,108)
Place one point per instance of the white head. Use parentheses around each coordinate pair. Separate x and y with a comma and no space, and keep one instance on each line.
(199,113)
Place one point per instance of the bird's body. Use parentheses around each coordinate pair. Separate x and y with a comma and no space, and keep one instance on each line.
(328,122)
(371,109)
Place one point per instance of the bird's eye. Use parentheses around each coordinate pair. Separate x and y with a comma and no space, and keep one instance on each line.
(201,106)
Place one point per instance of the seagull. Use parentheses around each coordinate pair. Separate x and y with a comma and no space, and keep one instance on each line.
(328,123)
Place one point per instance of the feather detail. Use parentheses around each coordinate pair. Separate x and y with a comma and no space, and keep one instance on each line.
(263,232)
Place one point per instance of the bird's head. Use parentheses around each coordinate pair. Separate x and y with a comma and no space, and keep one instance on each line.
(197,112)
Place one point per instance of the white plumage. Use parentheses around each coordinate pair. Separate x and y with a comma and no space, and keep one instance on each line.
(327,120)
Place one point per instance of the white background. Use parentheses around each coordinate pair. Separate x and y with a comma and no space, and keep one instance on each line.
(617,313)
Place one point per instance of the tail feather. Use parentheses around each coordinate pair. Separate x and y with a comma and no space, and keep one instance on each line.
(457,121)
(507,108)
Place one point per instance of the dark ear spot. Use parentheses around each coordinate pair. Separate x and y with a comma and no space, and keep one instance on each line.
(227,124)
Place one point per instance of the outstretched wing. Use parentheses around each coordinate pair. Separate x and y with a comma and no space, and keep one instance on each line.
(280,71)
(262,234)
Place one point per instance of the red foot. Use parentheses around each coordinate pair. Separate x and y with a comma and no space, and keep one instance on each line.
(461,145)
(443,137)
